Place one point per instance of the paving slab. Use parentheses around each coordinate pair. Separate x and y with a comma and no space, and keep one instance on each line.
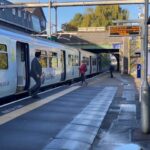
(81,128)
(88,122)
(88,112)
(64,144)
(76,135)
(85,116)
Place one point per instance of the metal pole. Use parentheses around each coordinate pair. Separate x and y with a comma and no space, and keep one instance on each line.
(122,67)
(49,20)
(55,19)
(145,103)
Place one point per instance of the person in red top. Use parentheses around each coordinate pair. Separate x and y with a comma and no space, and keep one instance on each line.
(82,70)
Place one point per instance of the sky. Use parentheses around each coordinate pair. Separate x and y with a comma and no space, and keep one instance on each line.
(65,14)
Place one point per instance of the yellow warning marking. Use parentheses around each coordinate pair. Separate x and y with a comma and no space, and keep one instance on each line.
(12,115)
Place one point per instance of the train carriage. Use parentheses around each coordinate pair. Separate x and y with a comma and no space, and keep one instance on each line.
(59,62)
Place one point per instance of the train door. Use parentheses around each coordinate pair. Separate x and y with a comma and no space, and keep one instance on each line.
(98,62)
(63,65)
(90,64)
(79,61)
(79,58)
(22,60)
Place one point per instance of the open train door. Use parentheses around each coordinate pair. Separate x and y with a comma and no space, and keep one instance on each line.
(22,58)
(63,65)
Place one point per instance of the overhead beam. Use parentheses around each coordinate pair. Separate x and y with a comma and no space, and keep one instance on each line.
(24,5)
(93,3)
(128,21)
(68,4)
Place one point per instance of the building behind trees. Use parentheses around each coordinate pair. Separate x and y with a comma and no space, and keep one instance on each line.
(31,20)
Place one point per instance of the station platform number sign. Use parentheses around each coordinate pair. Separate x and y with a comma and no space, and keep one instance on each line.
(124,30)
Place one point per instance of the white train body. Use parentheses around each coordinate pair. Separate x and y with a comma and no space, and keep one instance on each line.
(91,61)
(59,62)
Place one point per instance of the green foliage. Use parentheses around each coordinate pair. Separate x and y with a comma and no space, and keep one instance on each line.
(77,20)
(98,16)
(69,27)
(105,59)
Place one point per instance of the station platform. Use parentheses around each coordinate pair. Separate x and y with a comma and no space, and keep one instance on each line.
(104,115)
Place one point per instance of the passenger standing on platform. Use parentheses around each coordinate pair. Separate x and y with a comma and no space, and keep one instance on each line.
(82,70)
(111,69)
(36,73)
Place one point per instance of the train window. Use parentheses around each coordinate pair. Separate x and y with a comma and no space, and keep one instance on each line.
(28,17)
(3,48)
(43,59)
(22,55)
(19,13)
(25,15)
(76,60)
(3,57)
(94,62)
(86,60)
(50,56)
(70,60)
(53,60)
(73,60)
(3,61)
(14,11)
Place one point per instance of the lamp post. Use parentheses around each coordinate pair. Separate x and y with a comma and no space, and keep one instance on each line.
(49,20)
(145,96)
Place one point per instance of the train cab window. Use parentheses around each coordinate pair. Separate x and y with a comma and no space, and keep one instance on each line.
(3,57)
(43,59)
(53,60)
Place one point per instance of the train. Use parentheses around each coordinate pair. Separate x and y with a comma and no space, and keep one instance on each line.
(59,62)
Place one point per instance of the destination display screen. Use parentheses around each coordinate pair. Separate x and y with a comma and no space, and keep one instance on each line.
(124,30)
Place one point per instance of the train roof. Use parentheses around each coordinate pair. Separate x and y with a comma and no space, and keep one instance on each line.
(27,38)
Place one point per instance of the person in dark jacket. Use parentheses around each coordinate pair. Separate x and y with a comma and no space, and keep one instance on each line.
(111,69)
(36,73)
(82,70)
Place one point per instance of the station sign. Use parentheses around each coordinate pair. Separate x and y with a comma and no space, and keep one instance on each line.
(116,45)
(124,30)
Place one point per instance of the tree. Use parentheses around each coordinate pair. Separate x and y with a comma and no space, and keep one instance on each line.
(99,16)
(68,27)
(77,20)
